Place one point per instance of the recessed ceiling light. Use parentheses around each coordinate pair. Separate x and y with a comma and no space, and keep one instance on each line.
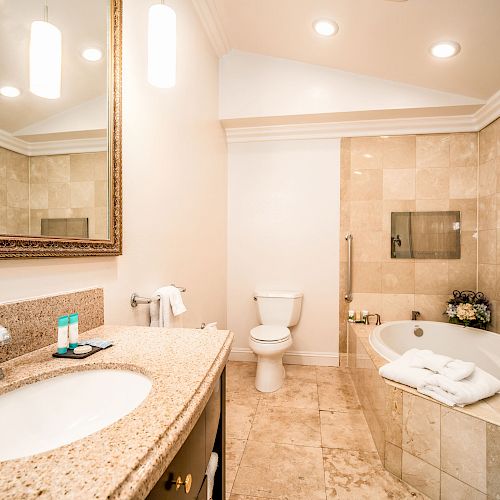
(443,50)
(92,54)
(325,27)
(10,91)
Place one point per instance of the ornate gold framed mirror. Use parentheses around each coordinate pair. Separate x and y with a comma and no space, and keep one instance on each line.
(60,128)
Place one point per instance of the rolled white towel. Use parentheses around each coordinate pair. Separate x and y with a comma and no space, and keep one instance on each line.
(454,369)
(479,385)
(211,470)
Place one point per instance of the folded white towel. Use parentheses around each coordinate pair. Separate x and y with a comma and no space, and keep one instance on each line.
(170,305)
(400,371)
(454,369)
(477,386)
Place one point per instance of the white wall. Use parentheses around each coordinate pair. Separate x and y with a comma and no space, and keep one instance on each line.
(174,188)
(254,85)
(283,233)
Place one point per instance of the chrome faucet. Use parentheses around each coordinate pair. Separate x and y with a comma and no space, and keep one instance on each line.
(415,315)
(5,339)
(367,318)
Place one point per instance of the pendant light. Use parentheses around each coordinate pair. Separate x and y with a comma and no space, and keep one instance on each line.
(45,58)
(162,41)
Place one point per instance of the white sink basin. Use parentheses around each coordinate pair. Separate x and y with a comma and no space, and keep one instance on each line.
(51,413)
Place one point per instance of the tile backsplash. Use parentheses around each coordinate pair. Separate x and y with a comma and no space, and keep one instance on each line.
(33,322)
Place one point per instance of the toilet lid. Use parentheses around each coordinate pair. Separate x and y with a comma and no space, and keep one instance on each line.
(270,333)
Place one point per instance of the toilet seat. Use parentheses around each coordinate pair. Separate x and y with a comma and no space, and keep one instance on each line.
(270,334)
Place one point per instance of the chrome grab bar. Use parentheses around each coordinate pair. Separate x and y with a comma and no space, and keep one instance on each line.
(348,295)
(135,299)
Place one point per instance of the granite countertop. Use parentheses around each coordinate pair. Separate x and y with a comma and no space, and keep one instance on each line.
(126,459)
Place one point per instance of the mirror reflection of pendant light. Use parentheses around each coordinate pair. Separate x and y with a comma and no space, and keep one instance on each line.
(162,48)
(45,58)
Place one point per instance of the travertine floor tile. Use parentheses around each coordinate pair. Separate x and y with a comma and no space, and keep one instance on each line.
(289,472)
(332,374)
(346,430)
(338,395)
(241,410)
(240,377)
(301,372)
(357,475)
(295,393)
(234,451)
(297,426)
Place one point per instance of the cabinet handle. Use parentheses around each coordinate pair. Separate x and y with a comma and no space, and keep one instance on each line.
(187,483)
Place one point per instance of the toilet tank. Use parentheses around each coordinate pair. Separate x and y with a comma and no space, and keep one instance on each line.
(278,307)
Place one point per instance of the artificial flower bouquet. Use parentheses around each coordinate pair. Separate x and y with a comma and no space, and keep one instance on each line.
(469,308)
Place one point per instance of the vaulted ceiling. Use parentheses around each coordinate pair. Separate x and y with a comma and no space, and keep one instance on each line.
(382,38)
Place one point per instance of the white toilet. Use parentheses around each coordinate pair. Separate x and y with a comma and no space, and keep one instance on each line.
(277,311)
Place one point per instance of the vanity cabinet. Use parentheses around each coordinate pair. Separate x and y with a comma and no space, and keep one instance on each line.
(185,477)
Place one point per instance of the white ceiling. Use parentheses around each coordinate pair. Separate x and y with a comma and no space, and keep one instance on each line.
(380,38)
(83,23)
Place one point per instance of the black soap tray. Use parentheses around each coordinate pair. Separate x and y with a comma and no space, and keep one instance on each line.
(70,354)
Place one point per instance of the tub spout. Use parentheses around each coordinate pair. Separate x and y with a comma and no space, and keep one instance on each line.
(415,315)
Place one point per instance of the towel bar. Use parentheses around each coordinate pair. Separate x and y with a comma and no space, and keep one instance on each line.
(136,299)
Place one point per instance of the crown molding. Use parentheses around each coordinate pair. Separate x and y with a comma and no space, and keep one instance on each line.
(209,17)
(26,148)
(370,127)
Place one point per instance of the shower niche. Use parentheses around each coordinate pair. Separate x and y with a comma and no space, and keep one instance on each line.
(425,235)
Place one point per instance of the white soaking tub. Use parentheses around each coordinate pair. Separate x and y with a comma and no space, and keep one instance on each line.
(481,347)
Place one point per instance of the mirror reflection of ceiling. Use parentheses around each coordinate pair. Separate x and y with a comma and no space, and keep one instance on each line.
(81,111)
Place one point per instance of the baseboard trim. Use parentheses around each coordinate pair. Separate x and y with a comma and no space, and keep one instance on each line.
(291,357)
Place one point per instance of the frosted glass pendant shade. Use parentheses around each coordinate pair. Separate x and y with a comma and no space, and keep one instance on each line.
(45,60)
(162,46)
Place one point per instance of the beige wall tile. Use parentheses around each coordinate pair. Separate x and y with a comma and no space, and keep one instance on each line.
(453,489)
(432,205)
(39,196)
(83,166)
(432,183)
(3,219)
(17,221)
(487,178)
(433,151)
(36,217)
(432,307)
(493,460)
(431,277)
(17,167)
(390,206)
(38,169)
(463,448)
(393,459)
(487,143)
(463,150)
(468,213)
(366,185)
(398,277)
(366,152)
(101,193)
(463,182)
(371,302)
(487,212)
(462,276)
(101,223)
(399,152)
(82,194)
(487,248)
(487,279)
(366,215)
(367,246)
(421,428)
(468,247)
(366,277)
(421,475)
(58,195)
(17,194)
(399,184)
(58,168)
(397,307)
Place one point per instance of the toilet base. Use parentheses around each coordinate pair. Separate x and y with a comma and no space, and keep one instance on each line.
(270,373)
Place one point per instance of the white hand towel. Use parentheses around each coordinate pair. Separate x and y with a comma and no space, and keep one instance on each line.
(211,469)
(170,305)
(454,369)
(477,386)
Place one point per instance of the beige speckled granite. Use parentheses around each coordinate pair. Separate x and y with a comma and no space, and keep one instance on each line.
(33,322)
(124,460)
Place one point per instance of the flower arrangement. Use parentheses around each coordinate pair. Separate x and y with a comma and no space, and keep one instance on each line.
(469,309)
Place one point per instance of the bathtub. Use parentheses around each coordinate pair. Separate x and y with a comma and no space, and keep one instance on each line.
(392,339)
